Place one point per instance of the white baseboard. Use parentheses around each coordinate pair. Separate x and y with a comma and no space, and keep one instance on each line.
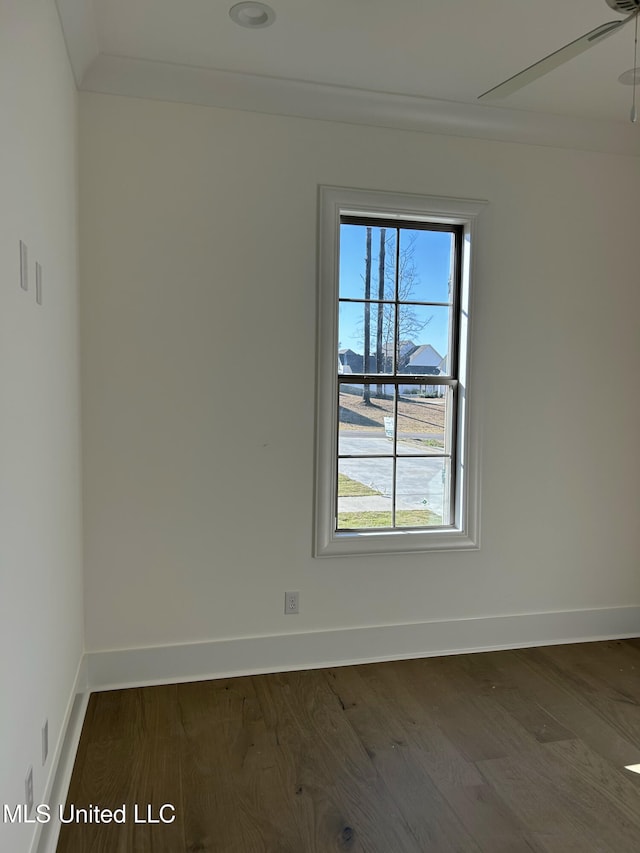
(317,649)
(252,655)
(45,837)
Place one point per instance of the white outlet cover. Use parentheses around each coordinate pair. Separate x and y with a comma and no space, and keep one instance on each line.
(291,602)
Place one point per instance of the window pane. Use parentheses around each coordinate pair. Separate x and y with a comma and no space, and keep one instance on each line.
(365,424)
(353,262)
(428,331)
(422,492)
(364,493)
(426,266)
(424,420)
(354,318)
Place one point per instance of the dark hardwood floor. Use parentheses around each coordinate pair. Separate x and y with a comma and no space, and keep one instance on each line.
(503,752)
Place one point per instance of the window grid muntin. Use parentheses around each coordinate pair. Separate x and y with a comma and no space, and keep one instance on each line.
(396,379)
(394,455)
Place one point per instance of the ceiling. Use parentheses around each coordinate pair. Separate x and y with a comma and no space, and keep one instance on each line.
(405,59)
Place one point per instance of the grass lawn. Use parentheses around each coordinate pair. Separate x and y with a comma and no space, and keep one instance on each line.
(348,488)
(371,519)
(415,414)
(368,519)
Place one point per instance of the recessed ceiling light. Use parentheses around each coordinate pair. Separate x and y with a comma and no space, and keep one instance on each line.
(630,77)
(252,14)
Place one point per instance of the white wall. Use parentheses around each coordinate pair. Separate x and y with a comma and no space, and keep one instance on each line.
(41,621)
(199,251)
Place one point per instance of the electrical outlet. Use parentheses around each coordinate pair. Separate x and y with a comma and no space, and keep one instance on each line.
(28,791)
(45,742)
(291,602)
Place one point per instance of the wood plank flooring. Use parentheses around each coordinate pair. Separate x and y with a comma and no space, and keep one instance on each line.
(502,752)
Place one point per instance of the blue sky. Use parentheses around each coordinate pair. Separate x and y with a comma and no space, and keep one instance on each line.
(425,257)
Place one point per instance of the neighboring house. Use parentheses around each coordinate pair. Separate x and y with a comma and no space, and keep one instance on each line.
(421,359)
(405,348)
(424,360)
(349,361)
(423,356)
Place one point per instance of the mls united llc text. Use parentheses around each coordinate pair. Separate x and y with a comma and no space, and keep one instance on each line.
(70,813)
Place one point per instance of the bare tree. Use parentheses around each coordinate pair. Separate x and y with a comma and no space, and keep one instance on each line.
(408,322)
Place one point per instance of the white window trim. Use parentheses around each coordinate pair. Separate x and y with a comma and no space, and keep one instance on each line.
(465,533)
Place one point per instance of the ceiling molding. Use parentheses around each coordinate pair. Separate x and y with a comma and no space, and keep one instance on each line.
(118,75)
(77,18)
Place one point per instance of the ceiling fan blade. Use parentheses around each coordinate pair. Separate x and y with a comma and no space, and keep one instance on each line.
(559,57)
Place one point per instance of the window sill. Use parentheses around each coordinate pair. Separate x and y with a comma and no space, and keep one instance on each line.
(346,544)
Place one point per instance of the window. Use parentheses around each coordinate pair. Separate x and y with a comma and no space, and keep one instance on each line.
(396,467)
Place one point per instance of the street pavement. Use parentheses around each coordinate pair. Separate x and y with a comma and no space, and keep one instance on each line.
(420,481)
